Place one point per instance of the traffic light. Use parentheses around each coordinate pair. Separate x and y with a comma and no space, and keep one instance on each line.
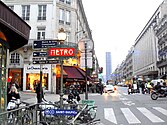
(101,70)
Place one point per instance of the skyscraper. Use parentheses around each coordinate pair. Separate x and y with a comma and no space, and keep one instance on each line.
(108,66)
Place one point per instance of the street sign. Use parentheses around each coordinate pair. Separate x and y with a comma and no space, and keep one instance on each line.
(40,54)
(61,52)
(44,44)
(45,61)
(67,112)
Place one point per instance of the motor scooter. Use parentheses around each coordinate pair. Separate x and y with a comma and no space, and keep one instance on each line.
(156,94)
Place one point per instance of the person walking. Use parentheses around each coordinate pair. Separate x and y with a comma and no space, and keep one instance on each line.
(143,87)
(39,92)
(149,87)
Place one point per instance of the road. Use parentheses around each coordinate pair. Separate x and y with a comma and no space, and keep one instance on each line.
(119,108)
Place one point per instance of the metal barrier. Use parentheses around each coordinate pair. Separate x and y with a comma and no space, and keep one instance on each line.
(36,114)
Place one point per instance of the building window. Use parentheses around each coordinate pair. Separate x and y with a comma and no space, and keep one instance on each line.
(68,2)
(32,80)
(41,33)
(61,16)
(68,17)
(11,7)
(15,58)
(61,0)
(68,37)
(26,12)
(41,12)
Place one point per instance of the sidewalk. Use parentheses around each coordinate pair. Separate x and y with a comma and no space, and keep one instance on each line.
(30,97)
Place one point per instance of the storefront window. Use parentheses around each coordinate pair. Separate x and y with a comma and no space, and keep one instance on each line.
(33,78)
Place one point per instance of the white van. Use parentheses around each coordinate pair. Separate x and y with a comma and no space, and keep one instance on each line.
(157,80)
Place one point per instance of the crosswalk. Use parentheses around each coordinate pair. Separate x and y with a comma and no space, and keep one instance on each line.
(151,114)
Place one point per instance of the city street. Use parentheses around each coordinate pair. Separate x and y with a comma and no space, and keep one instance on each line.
(119,108)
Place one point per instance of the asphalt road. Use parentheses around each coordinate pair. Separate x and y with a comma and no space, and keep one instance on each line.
(119,108)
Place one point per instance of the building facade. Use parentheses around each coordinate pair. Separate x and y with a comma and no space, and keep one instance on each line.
(46,17)
(161,33)
(108,66)
(145,49)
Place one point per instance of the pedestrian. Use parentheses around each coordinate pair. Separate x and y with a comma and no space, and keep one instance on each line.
(143,87)
(149,87)
(101,88)
(13,94)
(16,84)
(39,92)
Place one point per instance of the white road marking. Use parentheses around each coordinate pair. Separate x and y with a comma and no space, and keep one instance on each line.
(109,115)
(125,93)
(161,110)
(150,115)
(129,103)
(131,118)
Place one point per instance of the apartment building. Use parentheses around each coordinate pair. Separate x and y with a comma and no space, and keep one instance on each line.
(161,33)
(145,48)
(46,17)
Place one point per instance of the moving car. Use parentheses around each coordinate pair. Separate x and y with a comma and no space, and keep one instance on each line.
(108,88)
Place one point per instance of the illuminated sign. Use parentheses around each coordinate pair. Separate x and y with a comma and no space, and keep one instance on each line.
(59,52)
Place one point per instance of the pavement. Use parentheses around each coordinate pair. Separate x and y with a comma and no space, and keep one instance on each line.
(30,97)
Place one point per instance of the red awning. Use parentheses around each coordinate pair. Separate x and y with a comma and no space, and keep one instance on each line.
(84,73)
(74,72)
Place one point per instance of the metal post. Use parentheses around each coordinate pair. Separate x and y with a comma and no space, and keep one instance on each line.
(41,83)
(61,85)
(86,87)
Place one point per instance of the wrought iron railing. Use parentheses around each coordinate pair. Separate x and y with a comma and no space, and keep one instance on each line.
(36,114)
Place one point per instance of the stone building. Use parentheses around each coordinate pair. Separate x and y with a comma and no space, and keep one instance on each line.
(46,17)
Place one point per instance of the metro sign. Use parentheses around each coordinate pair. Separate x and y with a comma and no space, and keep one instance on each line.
(61,52)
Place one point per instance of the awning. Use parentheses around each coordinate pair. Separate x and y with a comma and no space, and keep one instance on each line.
(84,73)
(75,73)
(15,29)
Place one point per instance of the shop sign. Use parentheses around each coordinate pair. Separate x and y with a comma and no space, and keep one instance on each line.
(61,52)
(36,68)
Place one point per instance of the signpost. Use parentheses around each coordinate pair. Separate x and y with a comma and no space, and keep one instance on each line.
(44,44)
(45,61)
(40,54)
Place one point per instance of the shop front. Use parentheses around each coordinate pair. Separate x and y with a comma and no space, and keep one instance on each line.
(31,77)
(14,33)
(72,75)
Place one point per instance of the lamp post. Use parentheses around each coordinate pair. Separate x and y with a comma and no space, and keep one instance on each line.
(61,38)
(86,87)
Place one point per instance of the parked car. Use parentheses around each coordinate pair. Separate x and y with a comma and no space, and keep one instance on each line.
(109,88)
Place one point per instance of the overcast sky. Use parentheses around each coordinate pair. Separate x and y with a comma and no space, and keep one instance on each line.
(115,25)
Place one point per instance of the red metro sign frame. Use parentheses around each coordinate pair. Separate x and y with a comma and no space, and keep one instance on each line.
(61,52)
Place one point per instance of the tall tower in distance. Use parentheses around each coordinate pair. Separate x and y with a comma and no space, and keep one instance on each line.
(108,66)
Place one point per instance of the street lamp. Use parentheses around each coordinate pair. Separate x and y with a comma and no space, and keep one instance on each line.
(61,38)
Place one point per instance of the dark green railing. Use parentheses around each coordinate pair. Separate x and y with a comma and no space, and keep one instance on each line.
(34,115)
